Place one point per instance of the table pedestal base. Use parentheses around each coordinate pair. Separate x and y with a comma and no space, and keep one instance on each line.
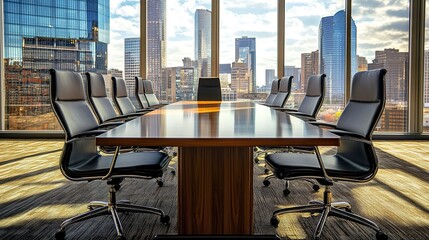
(215,190)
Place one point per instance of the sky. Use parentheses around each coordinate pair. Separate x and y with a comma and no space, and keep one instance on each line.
(380,24)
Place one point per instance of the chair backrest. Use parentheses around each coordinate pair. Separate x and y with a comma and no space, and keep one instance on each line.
(97,96)
(314,95)
(360,117)
(70,104)
(209,89)
(151,98)
(284,92)
(273,92)
(366,104)
(142,101)
(120,97)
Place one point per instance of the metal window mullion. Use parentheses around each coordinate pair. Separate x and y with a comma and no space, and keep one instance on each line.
(416,66)
(143,36)
(280,37)
(2,75)
(215,38)
(348,51)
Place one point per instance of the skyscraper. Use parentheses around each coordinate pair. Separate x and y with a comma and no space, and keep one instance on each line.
(396,64)
(156,45)
(132,63)
(270,75)
(245,47)
(40,35)
(309,66)
(203,41)
(332,31)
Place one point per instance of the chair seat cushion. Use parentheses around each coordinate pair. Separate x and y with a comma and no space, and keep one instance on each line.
(150,164)
(292,165)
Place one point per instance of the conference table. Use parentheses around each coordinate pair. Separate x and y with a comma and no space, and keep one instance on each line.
(215,143)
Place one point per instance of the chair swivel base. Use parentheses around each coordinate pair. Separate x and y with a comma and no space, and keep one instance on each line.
(112,207)
(328,208)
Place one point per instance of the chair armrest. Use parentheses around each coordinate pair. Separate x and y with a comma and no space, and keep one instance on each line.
(142,111)
(345,135)
(323,124)
(90,133)
(286,109)
(109,125)
(302,116)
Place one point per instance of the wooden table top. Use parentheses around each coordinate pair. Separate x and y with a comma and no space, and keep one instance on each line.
(211,124)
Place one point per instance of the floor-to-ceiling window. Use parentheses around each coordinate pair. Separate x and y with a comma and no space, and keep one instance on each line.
(41,35)
(188,49)
(314,44)
(426,74)
(247,48)
(382,42)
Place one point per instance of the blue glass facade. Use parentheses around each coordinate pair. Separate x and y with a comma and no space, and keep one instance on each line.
(250,44)
(44,34)
(332,37)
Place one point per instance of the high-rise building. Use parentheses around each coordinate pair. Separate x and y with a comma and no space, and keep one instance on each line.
(203,41)
(270,75)
(181,81)
(132,64)
(241,78)
(362,63)
(332,31)
(396,64)
(309,66)
(40,35)
(296,73)
(156,45)
(245,51)
(225,68)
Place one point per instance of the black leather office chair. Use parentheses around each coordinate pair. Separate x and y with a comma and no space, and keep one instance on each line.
(209,89)
(141,98)
(80,160)
(355,160)
(273,93)
(151,98)
(282,96)
(121,99)
(99,101)
(313,99)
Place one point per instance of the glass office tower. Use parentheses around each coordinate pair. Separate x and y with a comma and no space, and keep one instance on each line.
(156,46)
(332,31)
(203,41)
(244,46)
(132,63)
(40,35)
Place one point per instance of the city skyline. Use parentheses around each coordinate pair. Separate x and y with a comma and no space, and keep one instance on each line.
(258,19)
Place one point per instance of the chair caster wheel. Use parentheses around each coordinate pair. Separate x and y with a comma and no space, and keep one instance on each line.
(60,235)
(256,160)
(348,210)
(117,187)
(160,183)
(316,187)
(90,208)
(267,171)
(121,238)
(165,219)
(381,236)
(173,172)
(286,192)
(274,221)
(266,183)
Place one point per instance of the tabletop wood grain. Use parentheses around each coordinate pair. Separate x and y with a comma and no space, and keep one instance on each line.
(223,124)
